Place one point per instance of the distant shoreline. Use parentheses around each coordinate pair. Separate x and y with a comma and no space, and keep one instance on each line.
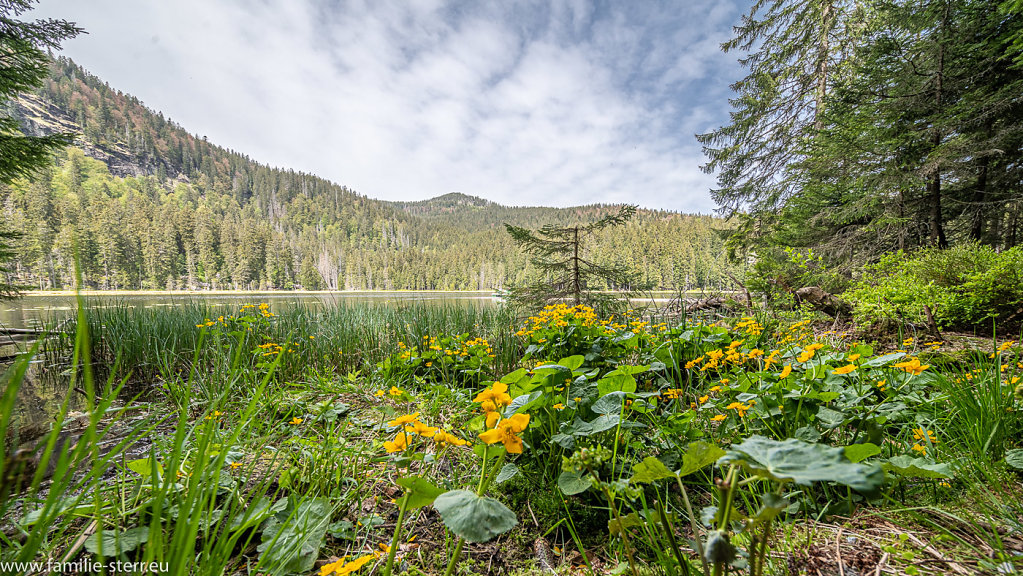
(240,292)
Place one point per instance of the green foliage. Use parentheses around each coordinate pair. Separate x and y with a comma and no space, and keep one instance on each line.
(456,360)
(475,518)
(966,286)
(861,129)
(801,462)
(565,267)
(23,67)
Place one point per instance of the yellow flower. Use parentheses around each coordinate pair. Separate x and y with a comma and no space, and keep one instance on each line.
(715,388)
(399,443)
(725,380)
(704,399)
(718,418)
(913,366)
(853,357)
(506,433)
(406,419)
(443,437)
(805,356)
(379,393)
(295,421)
(785,372)
(494,397)
(395,391)
(235,465)
(920,449)
(558,406)
(739,407)
(921,434)
(844,369)
(343,569)
(422,429)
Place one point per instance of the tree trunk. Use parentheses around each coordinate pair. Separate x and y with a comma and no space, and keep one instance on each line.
(577,290)
(937,235)
(822,65)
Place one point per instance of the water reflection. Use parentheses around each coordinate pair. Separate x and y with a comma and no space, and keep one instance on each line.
(35,310)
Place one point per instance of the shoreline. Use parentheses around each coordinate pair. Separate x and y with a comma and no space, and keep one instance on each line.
(71,293)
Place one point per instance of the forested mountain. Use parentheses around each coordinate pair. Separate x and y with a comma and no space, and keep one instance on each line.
(146,205)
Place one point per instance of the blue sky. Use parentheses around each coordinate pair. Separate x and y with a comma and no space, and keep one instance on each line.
(525,103)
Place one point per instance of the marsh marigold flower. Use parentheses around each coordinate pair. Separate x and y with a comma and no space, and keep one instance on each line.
(342,568)
(844,369)
(785,372)
(494,398)
(506,432)
(912,366)
(406,419)
(443,437)
(399,443)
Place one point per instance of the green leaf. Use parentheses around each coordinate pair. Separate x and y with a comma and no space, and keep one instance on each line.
(796,461)
(144,467)
(293,537)
(860,452)
(572,362)
(771,505)
(615,527)
(572,483)
(114,542)
(513,377)
(602,423)
(419,491)
(830,418)
(491,451)
(650,470)
(508,471)
(252,516)
(521,403)
(616,383)
(1014,458)
(699,455)
(910,467)
(882,360)
(475,518)
(610,403)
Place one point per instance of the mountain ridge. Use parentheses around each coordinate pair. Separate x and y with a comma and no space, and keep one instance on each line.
(155,206)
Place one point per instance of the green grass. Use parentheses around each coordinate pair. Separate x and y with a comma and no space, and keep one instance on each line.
(257,443)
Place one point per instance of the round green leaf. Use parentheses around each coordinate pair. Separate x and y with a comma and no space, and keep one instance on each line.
(419,491)
(860,452)
(572,483)
(1014,458)
(475,518)
(796,461)
(508,471)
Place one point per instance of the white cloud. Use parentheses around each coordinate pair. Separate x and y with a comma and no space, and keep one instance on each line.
(555,103)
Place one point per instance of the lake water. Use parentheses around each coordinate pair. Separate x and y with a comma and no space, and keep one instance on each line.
(38,398)
(32,310)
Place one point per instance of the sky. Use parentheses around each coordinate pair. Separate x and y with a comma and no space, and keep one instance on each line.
(555,103)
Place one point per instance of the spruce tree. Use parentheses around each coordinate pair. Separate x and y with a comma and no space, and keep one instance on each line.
(24,64)
(565,272)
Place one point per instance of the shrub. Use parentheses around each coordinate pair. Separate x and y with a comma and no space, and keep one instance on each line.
(966,286)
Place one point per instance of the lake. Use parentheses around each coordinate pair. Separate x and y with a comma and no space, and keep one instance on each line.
(35,309)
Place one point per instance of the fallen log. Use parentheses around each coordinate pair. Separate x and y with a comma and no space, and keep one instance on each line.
(26,331)
(824,301)
(712,303)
